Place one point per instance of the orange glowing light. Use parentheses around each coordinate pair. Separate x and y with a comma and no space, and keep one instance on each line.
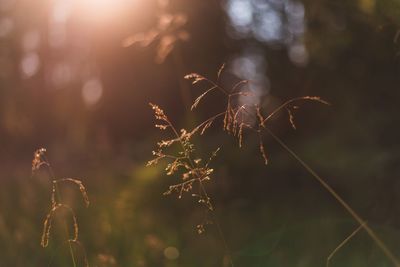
(100,10)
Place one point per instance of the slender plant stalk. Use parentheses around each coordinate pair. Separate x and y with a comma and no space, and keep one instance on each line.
(341,201)
(187,101)
(342,244)
(220,232)
(58,195)
(320,180)
(235,126)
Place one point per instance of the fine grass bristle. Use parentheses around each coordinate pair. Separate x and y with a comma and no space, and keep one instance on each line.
(193,171)
(198,99)
(291,118)
(263,153)
(48,223)
(238,85)
(260,117)
(236,118)
(77,182)
(194,77)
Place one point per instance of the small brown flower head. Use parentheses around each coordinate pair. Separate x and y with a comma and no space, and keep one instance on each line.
(158,112)
(195,77)
(38,161)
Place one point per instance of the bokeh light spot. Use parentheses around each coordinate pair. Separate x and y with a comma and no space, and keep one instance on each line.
(171,253)
(298,54)
(61,74)
(61,11)
(30,64)
(92,91)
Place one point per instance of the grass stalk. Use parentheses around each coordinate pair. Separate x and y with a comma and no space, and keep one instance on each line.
(344,242)
(388,253)
(220,232)
(58,195)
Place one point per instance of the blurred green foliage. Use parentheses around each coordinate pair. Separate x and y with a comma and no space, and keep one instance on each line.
(271,216)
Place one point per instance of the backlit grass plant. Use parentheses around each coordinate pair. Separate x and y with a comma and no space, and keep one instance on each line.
(237,119)
(193,171)
(57,205)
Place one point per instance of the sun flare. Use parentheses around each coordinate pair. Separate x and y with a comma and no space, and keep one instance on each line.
(100,10)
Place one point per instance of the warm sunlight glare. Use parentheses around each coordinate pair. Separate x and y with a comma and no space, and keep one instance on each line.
(100,10)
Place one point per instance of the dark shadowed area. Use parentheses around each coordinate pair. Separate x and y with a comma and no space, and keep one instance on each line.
(77,77)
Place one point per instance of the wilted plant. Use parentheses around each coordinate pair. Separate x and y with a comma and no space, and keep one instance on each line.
(40,161)
(239,117)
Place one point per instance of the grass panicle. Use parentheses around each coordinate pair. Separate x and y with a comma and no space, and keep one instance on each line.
(192,170)
(77,182)
(48,222)
(40,161)
(261,127)
(237,118)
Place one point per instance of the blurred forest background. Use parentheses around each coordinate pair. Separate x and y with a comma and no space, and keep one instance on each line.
(76,78)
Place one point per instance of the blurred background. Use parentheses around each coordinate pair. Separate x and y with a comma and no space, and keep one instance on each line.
(76,77)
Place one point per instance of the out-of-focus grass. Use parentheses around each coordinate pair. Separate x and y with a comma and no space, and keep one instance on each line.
(270,216)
